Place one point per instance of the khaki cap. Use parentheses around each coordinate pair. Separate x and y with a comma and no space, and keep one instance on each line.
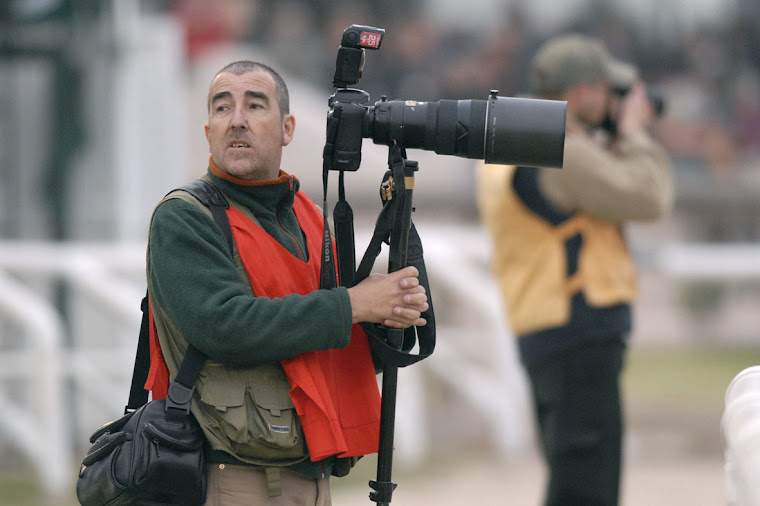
(622,75)
(568,60)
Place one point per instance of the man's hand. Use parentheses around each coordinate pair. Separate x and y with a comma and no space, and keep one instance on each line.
(395,300)
(636,112)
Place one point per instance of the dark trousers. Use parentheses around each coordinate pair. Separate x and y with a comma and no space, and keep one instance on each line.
(579,414)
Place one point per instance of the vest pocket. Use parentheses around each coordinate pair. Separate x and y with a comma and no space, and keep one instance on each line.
(274,417)
(249,413)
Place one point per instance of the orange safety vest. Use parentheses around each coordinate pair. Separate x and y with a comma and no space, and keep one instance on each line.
(334,391)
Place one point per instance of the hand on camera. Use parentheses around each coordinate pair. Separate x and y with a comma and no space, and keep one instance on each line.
(636,111)
(396,300)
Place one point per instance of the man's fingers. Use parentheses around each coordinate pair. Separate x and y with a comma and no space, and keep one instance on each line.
(414,299)
(409,283)
(409,272)
(419,322)
(404,313)
(412,284)
(409,314)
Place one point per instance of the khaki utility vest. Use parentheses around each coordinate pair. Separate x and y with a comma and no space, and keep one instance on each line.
(231,420)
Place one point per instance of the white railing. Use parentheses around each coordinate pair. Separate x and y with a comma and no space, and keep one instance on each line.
(740,423)
(475,355)
(710,262)
(42,357)
(103,281)
(36,423)
(92,347)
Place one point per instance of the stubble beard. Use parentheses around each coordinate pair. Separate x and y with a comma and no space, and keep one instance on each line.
(243,168)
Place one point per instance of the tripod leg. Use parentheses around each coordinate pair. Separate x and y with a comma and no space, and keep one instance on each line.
(403,174)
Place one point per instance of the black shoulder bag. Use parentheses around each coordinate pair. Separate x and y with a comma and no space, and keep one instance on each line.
(154,453)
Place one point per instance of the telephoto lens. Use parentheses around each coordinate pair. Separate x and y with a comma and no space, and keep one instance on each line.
(501,130)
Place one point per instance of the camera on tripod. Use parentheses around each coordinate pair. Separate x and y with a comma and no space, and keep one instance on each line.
(501,130)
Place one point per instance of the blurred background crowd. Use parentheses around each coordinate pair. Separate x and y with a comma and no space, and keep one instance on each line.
(102,105)
(704,55)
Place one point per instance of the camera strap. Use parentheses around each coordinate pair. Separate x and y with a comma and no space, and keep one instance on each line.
(393,194)
(343,221)
(327,277)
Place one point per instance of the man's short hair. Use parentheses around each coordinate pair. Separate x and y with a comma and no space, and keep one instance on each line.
(568,60)
(243,66)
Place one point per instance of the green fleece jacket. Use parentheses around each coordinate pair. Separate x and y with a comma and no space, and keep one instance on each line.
(193,276)
(194,279)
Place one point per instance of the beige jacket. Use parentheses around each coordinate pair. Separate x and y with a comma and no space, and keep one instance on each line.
(631,181)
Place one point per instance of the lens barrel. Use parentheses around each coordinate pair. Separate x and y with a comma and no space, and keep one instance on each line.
(500,130)
(525,131)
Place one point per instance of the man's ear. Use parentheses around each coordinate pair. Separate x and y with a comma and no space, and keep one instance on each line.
(288,128)
(205,127)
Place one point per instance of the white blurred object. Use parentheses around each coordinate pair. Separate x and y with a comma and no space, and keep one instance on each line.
(36,363)
(39,427)
(740,430)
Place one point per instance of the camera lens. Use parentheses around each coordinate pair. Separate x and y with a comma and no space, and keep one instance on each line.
(525,131)
(500,130)
(448,127)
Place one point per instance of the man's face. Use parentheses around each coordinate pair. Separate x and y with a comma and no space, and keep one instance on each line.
(245,129)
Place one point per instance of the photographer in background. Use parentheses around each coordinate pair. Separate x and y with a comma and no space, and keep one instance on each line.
(564,268)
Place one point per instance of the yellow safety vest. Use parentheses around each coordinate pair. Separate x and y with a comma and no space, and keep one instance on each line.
(530,257)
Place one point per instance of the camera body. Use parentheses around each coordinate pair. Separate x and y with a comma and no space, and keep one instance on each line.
(655,96)
(502,130)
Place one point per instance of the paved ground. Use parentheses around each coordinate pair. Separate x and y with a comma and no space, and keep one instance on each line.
(657,474)
(664,481)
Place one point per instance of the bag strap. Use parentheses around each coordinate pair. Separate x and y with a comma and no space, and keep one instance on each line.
(182,387)
(210,196)
(138,396)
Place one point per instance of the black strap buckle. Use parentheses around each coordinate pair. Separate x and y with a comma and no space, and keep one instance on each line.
(383,491)
(179,397)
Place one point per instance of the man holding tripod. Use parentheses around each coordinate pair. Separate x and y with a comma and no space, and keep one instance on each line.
(286,361)
(564,266)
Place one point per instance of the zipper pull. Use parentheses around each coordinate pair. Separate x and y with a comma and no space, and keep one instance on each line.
(155,442)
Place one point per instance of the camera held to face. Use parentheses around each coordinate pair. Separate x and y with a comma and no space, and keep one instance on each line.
(655,96)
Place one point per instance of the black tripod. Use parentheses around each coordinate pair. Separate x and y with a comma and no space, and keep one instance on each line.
(391,348)
(402,187)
